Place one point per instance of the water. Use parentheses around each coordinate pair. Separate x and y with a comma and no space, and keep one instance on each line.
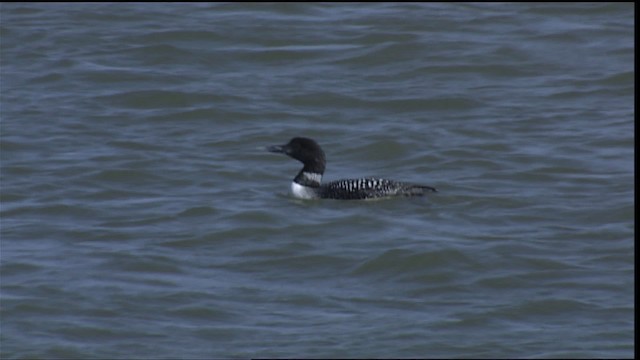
(142,218)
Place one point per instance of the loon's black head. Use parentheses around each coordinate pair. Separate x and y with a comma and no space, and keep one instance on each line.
(304,150)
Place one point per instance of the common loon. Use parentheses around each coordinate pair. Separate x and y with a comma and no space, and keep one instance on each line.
(308,183)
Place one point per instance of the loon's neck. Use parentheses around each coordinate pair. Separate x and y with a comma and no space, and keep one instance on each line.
(306,185)
(308,179)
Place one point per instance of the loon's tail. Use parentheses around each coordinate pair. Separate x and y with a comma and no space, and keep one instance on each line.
(417,190)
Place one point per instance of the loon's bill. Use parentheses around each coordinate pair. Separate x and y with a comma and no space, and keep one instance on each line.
(308,183)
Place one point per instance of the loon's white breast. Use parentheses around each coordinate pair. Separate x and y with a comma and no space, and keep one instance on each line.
(302,192)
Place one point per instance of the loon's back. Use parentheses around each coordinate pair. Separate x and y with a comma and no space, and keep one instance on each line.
(370,188)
